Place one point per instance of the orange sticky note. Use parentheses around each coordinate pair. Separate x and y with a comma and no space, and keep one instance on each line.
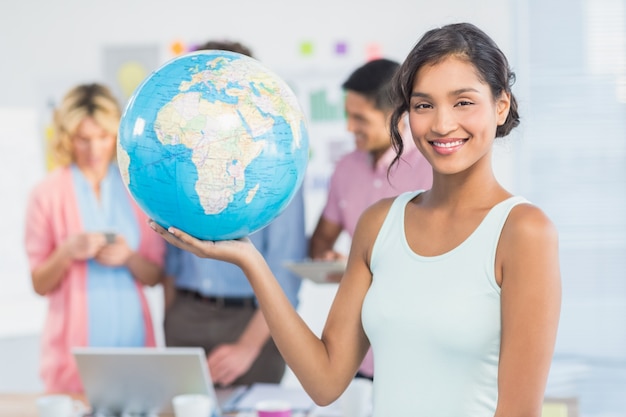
(177,47)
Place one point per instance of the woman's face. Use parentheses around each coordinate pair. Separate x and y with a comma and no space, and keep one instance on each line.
(454,116)
(93,147)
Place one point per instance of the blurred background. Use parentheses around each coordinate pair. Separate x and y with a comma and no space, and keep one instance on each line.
(568,156)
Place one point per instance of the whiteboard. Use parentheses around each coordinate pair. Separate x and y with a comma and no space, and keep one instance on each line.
(22,163)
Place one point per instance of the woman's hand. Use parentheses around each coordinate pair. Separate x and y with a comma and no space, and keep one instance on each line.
(115,253)
(232,251)
(78,247)
(84,246)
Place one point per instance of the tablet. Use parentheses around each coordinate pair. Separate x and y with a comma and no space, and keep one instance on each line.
(143,381)
(316,271)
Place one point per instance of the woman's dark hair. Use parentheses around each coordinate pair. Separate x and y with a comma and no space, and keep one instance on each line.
(462,40)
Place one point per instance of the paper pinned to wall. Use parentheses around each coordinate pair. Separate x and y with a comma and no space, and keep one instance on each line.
(126,66)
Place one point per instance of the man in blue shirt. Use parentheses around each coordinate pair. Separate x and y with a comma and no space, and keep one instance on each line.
(211,304)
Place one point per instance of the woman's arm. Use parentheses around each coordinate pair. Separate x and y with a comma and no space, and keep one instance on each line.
(303,351)
(49,273)
(46,276)
(527,267)
(325,365)
(144,270)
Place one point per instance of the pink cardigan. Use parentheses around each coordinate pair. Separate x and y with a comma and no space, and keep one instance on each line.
(51,217)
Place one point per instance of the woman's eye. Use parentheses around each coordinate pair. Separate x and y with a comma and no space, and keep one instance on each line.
(421,106)
(464,103)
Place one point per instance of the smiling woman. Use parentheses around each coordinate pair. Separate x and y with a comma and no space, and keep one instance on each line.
(446,116)
(457,288)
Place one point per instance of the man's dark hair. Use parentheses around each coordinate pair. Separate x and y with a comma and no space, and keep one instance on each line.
(373,80)
(225,45)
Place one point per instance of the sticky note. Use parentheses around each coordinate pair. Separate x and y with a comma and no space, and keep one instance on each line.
(554,410)
(374,51)
(306,48)
(341,48)
(177,47)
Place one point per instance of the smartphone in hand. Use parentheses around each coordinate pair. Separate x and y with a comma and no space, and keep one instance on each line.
(110,237)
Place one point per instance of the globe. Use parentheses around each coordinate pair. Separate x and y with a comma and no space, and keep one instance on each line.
(213,143)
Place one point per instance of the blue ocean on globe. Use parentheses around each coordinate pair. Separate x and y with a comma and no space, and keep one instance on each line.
(213,143)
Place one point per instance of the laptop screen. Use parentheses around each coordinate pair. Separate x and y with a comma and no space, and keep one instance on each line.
(127,381)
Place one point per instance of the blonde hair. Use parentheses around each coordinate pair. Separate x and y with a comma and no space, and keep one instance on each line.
(85,100)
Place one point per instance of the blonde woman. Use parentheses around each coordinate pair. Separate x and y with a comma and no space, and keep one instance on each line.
(89,247)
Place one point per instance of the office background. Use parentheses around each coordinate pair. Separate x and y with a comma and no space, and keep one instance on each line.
(568,156)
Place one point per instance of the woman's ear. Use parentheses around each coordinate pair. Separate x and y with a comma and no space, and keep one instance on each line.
(402,122)
(503,105)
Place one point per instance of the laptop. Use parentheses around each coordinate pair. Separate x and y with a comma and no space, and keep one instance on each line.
(142,381)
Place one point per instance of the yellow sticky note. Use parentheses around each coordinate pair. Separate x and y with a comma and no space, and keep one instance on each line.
(554,410)
(48,135)
(129,76)
(306,48)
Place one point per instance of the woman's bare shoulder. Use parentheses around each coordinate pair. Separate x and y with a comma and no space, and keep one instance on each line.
(370,223)
(375,214)
(529,222)
(528,252)
(528,236)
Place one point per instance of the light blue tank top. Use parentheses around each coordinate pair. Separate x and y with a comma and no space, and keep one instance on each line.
(434,322)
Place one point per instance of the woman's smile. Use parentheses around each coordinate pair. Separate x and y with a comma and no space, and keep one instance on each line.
(447,146)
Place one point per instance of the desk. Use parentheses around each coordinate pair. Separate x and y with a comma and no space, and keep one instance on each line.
(21,405)
(24,405)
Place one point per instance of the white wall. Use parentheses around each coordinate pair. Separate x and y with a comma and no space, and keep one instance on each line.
(49,45)
(43,41)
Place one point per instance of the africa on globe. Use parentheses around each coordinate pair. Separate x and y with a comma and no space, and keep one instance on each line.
(213,143)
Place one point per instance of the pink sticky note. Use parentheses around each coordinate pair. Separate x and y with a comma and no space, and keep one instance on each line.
(373,51)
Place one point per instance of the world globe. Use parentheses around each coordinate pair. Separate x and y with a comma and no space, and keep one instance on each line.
(214,144)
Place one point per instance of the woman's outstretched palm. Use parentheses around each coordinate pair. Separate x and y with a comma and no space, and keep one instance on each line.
(232,251)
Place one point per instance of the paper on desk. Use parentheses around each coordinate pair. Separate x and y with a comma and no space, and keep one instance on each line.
(316,271)
(554,410)
(297,397)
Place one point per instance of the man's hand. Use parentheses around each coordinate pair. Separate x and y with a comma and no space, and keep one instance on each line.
(331,255)
(229,361)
